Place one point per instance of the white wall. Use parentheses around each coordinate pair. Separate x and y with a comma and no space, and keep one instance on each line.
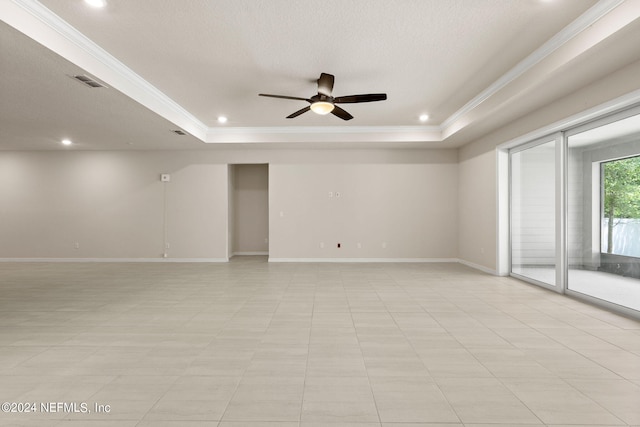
(477,210)
(392,210)
(111,204)
(478,163)
(114,205)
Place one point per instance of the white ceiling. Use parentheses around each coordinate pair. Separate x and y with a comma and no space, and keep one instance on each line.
(472,65)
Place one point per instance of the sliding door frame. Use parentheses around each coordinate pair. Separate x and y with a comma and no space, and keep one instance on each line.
(560,207)
(561,136)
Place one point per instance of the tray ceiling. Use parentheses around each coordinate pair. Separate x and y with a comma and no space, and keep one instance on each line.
(170,65)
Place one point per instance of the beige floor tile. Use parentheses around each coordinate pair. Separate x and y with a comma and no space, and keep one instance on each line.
(348,389)
(258,424)
(502,425)
(428,425)
(620,397)
(157,423)
(332,345)
(354,367)
(565,363)
(510,363)
(555,401)
(623,363)
(97,423)
(202,388)
(259,410)
(268,392)
(485,400)
(329,412)
(339,424)
(187,410)
(453,363)
(527,338)
(423,404)
(130,392)
(395,367)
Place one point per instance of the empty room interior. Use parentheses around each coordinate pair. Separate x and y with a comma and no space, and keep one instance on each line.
(252,213)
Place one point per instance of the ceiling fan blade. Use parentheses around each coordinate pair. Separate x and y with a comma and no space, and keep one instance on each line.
(352,99)
(325,84)
(285,97)
(297,113)
(339,112)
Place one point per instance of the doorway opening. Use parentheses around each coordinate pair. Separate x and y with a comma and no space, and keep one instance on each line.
(248,227)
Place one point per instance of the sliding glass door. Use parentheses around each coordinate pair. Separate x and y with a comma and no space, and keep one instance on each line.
(533,212)
(603,214)
(575,211)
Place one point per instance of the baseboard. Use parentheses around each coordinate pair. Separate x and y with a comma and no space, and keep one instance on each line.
(114,259)
(249,253)
(478,267)
(364,260)
(218,260)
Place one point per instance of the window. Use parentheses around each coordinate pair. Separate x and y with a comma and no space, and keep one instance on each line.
(620,217)
(533,207)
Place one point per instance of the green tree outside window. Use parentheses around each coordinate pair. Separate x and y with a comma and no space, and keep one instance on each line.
(621,182)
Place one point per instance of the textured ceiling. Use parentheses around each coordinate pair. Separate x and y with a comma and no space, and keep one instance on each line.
(212,58)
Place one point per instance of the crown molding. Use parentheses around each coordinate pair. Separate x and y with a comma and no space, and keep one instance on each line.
(36,21)
(327,129)
(584,21)
(324,134)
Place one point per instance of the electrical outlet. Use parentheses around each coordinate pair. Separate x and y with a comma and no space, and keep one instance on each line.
(77,245)
(321,245)
(330,194)
(384,245)
(339,245)
(359,245)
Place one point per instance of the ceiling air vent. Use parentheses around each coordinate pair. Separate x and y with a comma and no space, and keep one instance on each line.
(178,132)
(87,81)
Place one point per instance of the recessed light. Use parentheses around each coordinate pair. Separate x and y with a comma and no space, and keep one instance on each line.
(424,117)
(66,142)
(222,119)
(96,3)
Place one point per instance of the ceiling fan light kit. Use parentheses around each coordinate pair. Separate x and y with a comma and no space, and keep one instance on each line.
(324,103)
(322,107)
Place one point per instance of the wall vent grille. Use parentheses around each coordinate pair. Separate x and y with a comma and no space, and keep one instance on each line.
(87,81)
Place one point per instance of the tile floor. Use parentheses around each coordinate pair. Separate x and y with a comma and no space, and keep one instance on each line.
(253,344)
(624,291)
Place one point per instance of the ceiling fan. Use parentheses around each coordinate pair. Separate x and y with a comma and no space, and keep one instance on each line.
(324,103)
